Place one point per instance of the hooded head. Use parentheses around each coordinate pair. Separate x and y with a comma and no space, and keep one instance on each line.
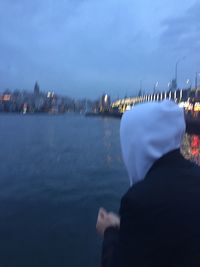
(148,132)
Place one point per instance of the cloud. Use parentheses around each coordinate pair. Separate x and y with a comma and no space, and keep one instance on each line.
(89,41)
(82,47)
(182,33)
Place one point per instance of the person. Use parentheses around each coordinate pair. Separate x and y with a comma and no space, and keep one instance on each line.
(159,217)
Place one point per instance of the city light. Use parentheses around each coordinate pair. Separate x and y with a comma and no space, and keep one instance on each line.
(48,94)
(197,106)
(6,97)
(106,98)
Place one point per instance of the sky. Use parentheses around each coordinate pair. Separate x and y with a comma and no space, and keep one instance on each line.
(84,48)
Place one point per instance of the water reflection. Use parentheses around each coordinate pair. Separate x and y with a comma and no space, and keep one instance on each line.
(191,148)
(107,137)
(110,134)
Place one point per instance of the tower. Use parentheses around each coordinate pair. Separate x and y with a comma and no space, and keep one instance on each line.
(36,89)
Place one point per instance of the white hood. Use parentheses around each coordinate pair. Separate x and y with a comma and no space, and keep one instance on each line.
(147,132)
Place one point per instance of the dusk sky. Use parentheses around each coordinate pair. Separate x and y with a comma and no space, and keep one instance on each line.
(83,48)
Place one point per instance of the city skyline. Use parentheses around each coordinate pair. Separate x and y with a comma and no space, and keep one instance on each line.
(86,48)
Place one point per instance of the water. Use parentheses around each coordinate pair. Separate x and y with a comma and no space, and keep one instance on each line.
(56,171)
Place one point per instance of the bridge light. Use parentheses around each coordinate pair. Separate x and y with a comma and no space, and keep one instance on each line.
(181,94)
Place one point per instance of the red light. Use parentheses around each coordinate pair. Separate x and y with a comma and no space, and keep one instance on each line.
(195,141)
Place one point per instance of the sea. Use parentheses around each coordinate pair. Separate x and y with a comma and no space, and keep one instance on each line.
(55,173)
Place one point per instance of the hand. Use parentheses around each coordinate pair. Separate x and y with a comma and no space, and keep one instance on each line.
(106,219)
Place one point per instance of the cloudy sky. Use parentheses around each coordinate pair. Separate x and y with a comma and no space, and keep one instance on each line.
(83,48)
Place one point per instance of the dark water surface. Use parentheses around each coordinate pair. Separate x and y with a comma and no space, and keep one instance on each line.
(55,173)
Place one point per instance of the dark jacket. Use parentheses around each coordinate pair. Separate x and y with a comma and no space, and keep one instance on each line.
(160,218)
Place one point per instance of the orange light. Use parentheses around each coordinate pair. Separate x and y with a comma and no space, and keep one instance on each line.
(6,97)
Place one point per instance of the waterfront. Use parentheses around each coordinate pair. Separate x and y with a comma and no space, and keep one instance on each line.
(55,173)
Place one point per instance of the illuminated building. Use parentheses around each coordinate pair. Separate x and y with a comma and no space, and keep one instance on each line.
(105,103)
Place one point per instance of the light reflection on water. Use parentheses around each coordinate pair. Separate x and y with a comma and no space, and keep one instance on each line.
(191,148)
(55,173)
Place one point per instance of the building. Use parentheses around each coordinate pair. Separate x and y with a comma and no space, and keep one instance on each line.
(105,103)
(36,89)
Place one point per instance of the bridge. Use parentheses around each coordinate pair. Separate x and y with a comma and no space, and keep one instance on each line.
(187,98)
